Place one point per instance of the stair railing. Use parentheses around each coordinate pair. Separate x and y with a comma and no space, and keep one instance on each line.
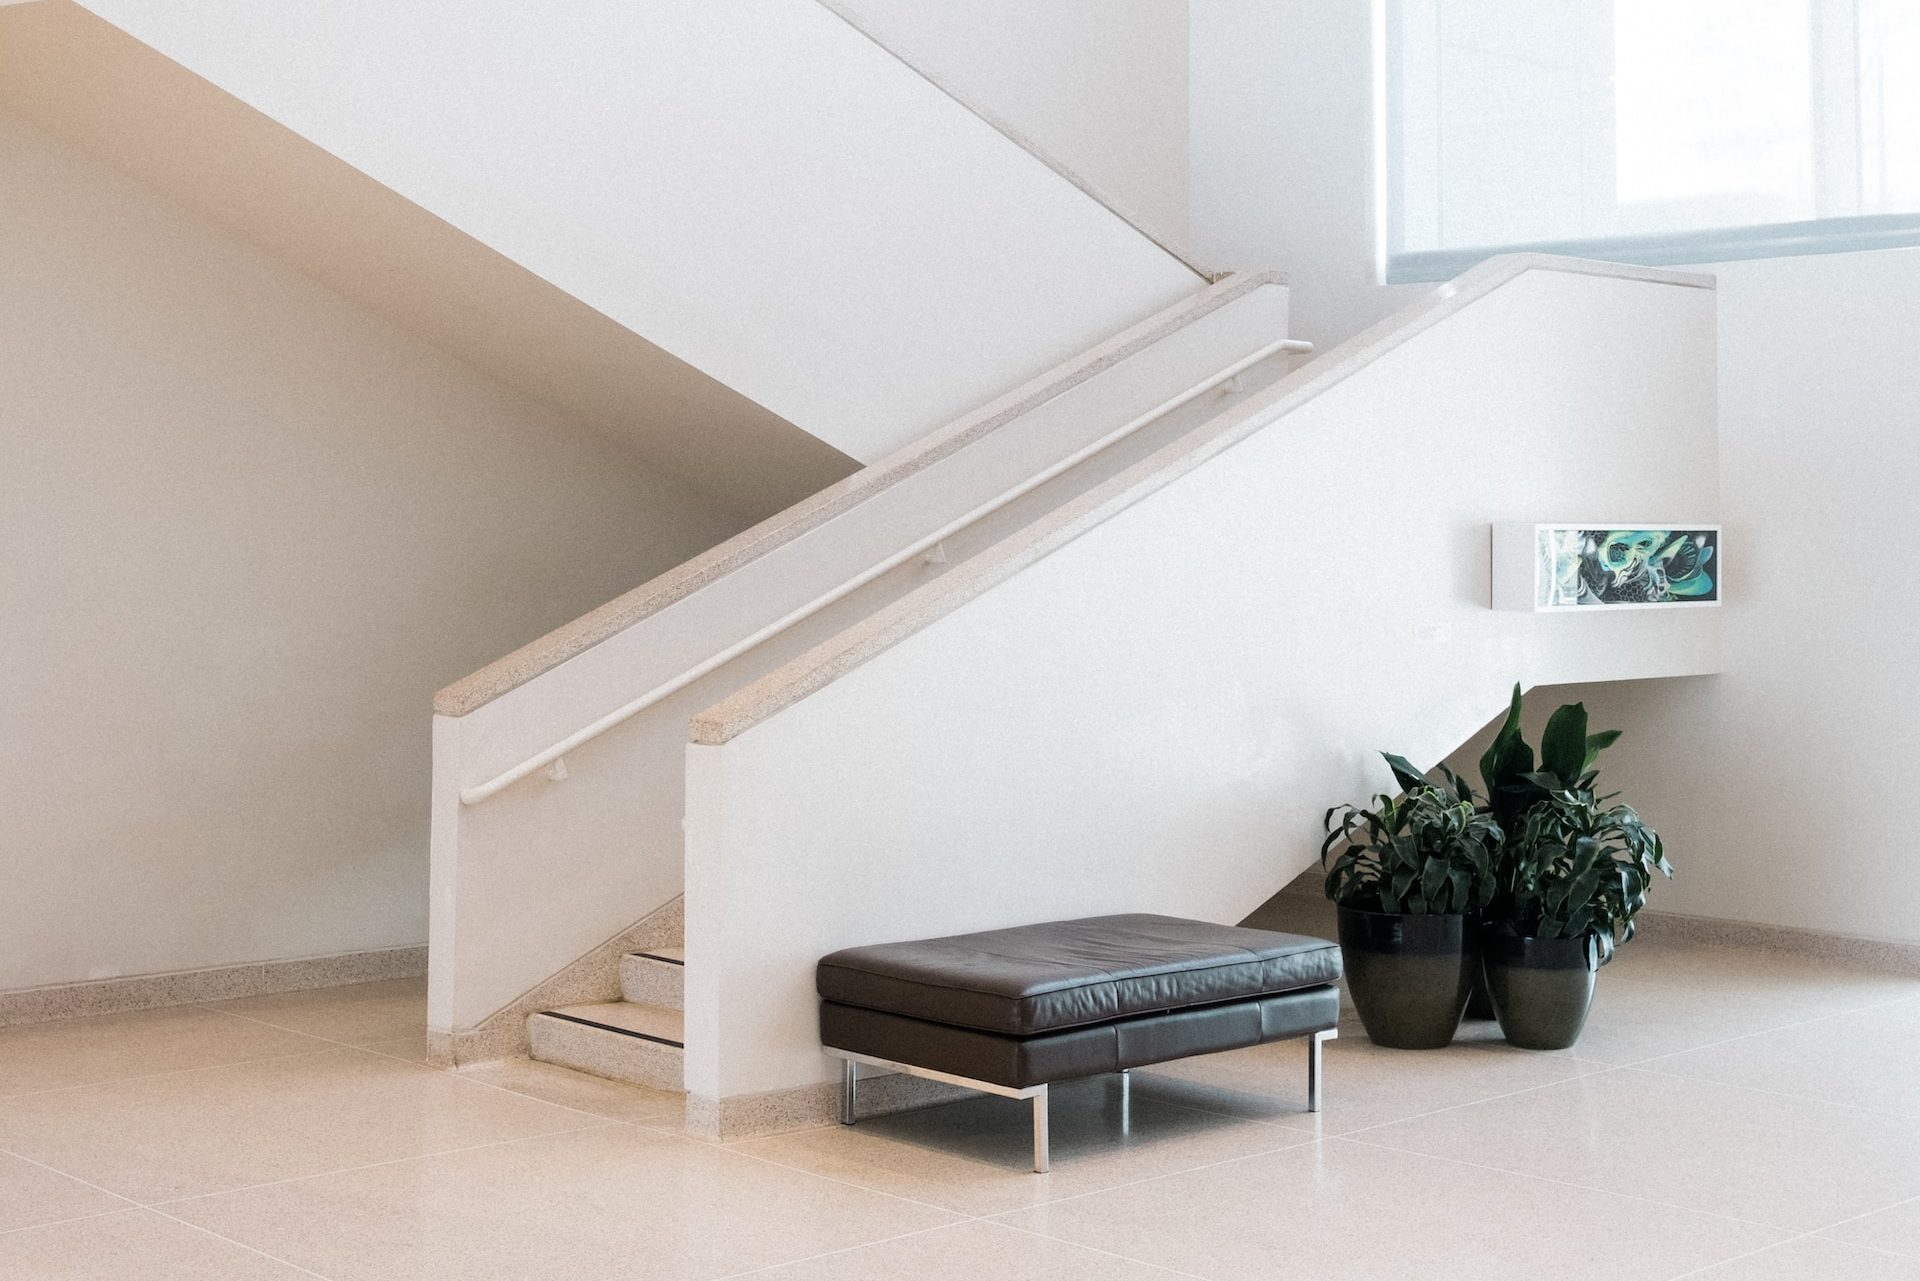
(551,757)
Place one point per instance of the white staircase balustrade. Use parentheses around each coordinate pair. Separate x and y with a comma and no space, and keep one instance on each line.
(1146,700)
(530,874)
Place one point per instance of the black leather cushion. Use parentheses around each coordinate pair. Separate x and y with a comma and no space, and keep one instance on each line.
(1017,1062)
(1064,974)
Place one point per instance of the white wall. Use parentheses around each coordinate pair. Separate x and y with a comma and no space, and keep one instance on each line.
(1101,88)
(1780,785)
(246,530)
(754,186)
(1282,154)
(94,86)
(1155,716)
(1774,779)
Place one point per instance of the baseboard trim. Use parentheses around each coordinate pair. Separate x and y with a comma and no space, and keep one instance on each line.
(808,1107)
(1890,955)
(1845,949)
(215,983)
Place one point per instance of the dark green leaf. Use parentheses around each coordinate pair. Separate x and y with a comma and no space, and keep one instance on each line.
(1405,774)
(1598,743)
(1563,745)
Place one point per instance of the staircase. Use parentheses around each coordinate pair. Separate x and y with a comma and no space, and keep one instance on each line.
(1107,641)
(639,1039)
(1160,648)
(559,769)
(1145,700)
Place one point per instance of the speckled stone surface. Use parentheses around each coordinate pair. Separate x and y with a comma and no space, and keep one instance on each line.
(593,977)
(1868,954)
(601,1052)
(185,987)
(860,643)
(649,981)
(557,646)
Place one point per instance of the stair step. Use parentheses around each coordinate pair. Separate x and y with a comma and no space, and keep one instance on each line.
(638,1044)
(654,977)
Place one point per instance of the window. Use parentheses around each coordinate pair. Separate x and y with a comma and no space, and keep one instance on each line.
(1650,131)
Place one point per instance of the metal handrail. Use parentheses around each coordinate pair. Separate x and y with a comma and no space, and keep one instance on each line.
(550,756)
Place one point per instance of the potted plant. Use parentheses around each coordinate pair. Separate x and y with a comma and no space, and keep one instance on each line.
(1572,873)
(1406,875)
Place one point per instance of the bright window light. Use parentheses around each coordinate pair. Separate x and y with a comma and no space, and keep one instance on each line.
(1651,131)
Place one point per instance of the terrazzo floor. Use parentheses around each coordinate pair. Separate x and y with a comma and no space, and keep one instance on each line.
(1734,1115)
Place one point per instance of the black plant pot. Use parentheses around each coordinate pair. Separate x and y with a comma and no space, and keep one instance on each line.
(1541,988)
(1409,975)
(1480,1001)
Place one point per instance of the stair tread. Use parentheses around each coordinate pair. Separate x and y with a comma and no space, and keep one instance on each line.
(651,1021)
(675,955)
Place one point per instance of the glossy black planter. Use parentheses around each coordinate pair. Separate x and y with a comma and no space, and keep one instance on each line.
(1480,1002)
(1541,988)
(1409,975)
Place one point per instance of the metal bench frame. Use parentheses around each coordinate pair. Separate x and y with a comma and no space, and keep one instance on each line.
(849,1088)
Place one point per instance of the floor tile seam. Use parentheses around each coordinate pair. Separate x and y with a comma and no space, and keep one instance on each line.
(999,1216)
(1865,1214)
(665,1122)
(252,1249)
(427,1067)
(1599,1069)
(1111,1254)
(1766,1031)
(321,1048)
(162,1202)
(1711,1045)
(1748,1254)
(1571,1183)
(959,1215)
(1772,1094)
(131,1202)
(848,1249)
(1820,1234)
(282,1027)
(1295,1138)
(458,1075)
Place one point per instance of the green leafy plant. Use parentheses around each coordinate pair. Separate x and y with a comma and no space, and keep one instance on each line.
(1572,865)
(1427,852)
(1567,755)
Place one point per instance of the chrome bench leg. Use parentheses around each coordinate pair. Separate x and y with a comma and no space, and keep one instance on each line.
(1041,1152)
(1038,1093)
(1316,1068)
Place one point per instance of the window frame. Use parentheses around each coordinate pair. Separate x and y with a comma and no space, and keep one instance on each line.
(1834,52)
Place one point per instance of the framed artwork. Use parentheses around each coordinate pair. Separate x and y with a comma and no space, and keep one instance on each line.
(1598,566)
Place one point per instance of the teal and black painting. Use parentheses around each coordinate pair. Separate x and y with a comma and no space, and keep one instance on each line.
(1631,566)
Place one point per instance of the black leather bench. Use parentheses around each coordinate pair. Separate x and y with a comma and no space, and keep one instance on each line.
(1012,1011)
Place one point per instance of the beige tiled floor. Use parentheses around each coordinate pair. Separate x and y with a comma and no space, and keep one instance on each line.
(1729,1116)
